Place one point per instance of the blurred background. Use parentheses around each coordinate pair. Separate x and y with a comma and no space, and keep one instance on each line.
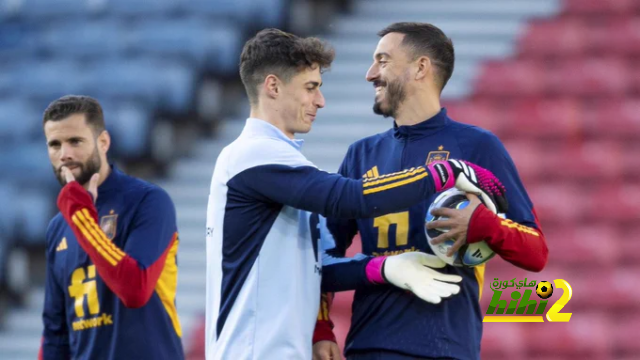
(557,81)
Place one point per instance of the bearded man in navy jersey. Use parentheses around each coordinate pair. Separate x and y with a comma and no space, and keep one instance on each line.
(411,66)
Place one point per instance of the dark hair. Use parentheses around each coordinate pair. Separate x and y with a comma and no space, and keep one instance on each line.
(68,105)
(424,39)
(273,51)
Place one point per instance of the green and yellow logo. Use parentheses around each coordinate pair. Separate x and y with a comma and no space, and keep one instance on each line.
(522,307)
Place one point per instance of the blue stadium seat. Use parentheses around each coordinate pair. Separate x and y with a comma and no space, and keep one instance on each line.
(271,13)
(236,10)
(47,9)
(143,7)
(34,211)
(50,79)
(199,40)
(19,121)
(16,39)
(83,38)
(252,13)
(147,79)
(7,214)
(29,164)
(129,124)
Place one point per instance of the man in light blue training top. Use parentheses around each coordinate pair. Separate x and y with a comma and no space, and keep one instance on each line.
(263,270)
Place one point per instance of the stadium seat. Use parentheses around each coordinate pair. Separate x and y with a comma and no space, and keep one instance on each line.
(159,83)
(586,77)
(143,8)
(564,37)
(625,333)
(586,334)
(19,122)
(538,117)
(503,78)
(592,160)
(559,203)
(222,9)
(130,125)
(8,192)
(485,114)
(503,340)
(61,9)
(594,245)
(91,37)
(625,35)
(16,40)
(209,45)
(618,202)
(600,7)
(50,79)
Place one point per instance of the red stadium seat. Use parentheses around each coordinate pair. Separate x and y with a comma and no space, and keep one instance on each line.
(510,78)
(482,113)
(585,245)
(619,34)
(600,7)
(527,156)
(543,118)
(553,37)
(560,203)
(587,334)
(613,118)
(503,340)
(625,333)
(619,202)
(587,77)
(594,160)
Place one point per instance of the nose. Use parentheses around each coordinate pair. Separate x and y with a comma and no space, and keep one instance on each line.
(372,73)
(319,101)
(66,153)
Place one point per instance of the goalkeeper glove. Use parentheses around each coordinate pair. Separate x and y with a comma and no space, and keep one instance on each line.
(413,271)
(470,178)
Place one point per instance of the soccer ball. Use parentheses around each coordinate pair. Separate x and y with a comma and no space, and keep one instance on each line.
(468,255)
(544,289)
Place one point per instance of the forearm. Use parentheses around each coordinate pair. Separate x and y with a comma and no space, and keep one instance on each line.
(343,274)
(324,326)
(130,281)
(353,199)
(520,245)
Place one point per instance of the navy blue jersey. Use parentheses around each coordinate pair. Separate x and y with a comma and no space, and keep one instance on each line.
(121,303)
(385,317)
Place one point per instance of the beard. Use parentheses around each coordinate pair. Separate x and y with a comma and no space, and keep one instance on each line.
(395,95)
(90,167)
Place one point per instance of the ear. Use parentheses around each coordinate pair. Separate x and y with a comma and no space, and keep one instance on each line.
(272,86)
(104,141)
(424,68)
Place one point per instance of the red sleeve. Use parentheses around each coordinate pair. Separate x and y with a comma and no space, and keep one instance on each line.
(520,245)
(132,283)
(324,325)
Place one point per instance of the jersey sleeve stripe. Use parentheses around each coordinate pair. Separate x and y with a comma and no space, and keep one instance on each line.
(98,235)
(118,254)
(396,184)
(92,241)
(392,177)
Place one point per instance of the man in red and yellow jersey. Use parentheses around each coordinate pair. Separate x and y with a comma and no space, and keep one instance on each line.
(111,251)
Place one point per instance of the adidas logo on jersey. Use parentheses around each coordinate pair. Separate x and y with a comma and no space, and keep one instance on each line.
(371,173)
(62,245)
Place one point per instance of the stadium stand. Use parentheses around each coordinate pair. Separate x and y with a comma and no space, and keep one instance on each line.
(556,80)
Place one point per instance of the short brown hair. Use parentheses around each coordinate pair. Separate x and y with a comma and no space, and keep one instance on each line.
(274,51)
(425,39)
(68,105)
